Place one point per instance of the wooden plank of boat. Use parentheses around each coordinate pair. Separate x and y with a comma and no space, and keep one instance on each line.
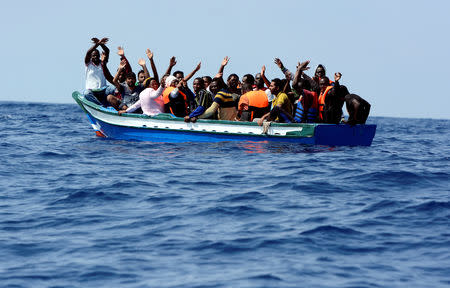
(167,128)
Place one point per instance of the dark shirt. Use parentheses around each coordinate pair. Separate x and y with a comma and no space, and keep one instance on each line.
(130,96)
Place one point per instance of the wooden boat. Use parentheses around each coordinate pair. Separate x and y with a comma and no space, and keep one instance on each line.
(168,128)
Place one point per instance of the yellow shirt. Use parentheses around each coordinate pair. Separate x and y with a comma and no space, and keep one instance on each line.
(283,100)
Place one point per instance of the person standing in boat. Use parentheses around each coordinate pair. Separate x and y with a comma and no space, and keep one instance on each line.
(307,104)
(331,100)
(96,87)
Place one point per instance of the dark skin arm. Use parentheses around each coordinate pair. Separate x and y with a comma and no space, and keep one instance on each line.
(116,78)
(172,63)
(87,58)
(223,64)
(102,44)
(190,75)
(152,63)
(141,63)
(263,76)
(106,71)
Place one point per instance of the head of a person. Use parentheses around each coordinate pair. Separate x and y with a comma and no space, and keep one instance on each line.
(122,76)
(259,81)
(171,81)
(275,86)
(207,80)
(324,82)
(248,78)
(320,71)
(151,83)
(302,85)
(95,56)
(198,84)
(141,76)
(130,79)
(246,87)
(233,81)
(163,79)
(216,85)
(178,74)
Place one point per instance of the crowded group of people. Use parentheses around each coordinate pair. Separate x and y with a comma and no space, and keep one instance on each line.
(296,98)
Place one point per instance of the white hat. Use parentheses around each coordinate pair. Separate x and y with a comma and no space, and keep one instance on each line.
(169,80)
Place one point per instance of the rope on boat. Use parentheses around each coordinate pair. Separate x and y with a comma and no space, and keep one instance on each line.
(265,127)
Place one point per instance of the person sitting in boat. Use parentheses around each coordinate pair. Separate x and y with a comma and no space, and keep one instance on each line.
(129,91)
(202,101)
(207,80)
(331,100)
(96,87)
(358,109)
(281,105)
(252,104)
(223,102)
(232,81)
(150,100)
(307,104)
(174,97)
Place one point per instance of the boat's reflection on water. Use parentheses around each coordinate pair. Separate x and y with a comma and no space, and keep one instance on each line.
(281,147)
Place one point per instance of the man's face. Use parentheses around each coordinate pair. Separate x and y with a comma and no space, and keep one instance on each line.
(206,80)
(197,85)
(141,77)
(233,82)
(95,56)
(174,83)
(179,76)
(323,83)
(273,88)
(214,87)
(131,81)
(258,79)
(320,72)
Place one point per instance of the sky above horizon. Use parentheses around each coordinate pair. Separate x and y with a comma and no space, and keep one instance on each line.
(394,54)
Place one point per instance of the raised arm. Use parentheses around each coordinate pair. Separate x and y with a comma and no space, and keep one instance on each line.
(223,64)
(106,71)
(300,68)
(141,63)
(87,58)
(283,69)
(189,76)
(121,53)
(102,44)
(152,63)
(263,76)
(122,66)
(172,62)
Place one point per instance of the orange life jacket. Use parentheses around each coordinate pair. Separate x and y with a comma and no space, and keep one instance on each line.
(258,104)
(322,97)
(166,98)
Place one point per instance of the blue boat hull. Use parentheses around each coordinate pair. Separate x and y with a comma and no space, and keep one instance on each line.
(107,123)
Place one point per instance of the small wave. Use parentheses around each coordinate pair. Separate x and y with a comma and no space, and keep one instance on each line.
(247,196)
(266,277)
(330,230)
(238,211)
(82,196)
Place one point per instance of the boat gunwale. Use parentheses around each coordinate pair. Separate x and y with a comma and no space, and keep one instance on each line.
(78,98)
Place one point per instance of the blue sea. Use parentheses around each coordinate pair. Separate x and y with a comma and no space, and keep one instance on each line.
(81,211)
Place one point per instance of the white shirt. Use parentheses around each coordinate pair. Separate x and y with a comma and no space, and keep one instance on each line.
(95,79)
(151,102)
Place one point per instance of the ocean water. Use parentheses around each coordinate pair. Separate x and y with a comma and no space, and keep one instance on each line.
(81,211)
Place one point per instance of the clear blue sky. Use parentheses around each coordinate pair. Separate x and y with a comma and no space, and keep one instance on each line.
(395,54)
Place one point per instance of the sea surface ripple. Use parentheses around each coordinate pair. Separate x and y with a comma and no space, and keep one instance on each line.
(82,211)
